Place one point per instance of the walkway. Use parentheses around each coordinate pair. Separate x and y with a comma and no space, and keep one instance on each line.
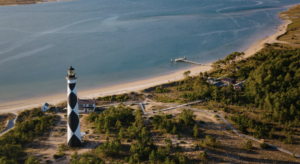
(10,125)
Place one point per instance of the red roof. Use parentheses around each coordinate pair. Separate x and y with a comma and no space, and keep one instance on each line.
(86,101)
(228,80)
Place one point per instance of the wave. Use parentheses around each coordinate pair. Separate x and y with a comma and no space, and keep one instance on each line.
(226,31)
(239,7)
(25,54)
(163,14)
(39,34)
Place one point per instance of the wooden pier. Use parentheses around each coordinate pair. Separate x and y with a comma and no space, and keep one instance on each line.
(187,61)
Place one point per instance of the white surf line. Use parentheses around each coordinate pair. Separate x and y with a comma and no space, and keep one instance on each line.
(233,129)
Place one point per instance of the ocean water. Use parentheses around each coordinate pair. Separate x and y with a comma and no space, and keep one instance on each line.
(115,41)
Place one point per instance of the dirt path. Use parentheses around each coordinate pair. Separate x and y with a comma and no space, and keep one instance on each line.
(47,148)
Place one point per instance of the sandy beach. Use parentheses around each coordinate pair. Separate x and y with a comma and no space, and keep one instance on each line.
(14,107)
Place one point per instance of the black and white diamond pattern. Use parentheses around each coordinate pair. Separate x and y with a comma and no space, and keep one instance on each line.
(74,136)
(74,120)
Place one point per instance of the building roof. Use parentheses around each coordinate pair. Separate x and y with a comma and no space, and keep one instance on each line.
(46,104)
(218,84)
(86,101)
(240,84)
(228,80)
(71,68)
(210,81)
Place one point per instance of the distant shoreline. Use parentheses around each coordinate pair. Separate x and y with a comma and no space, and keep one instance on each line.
(15,106)
(26,2)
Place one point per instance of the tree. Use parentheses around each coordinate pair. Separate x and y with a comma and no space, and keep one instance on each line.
(205,74)
(173,161)
(288,139)
(183,159)
(187,116)
(74,155)
(131,161)
(215,93)
(74,158)
(264,145)
(37,128)
(167,161)
(107,132)
(138,112)
(196,131)
(32,160)
(145,134)
(187,73)
(118,124)
(174,129)
(121,133)
(248,145)
(204,155)
(288,77)
(99,126)
(3,160)
(152,157)
(169,142)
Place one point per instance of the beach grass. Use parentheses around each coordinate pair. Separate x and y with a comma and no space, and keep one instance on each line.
(292,34)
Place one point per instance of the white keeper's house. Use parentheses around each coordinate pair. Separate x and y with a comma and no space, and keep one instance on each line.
(86,105)
(45,107)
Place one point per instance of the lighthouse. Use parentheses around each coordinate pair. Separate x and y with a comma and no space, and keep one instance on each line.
(74,135)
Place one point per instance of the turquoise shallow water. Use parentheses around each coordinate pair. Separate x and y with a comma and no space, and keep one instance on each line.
(116,41)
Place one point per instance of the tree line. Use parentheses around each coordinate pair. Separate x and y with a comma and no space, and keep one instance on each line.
(11,149)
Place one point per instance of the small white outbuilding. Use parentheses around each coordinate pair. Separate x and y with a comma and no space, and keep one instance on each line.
(45,107)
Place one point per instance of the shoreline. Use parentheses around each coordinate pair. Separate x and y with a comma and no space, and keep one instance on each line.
(16,106)
(28,2)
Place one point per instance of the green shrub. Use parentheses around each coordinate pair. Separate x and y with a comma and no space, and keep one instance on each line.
(288,139)
(160,90)
(36,112)
(55,156)
(126,159)
(182,142)
(248,145)
(264,146)
(203,155)
(169,116)
(212,142)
